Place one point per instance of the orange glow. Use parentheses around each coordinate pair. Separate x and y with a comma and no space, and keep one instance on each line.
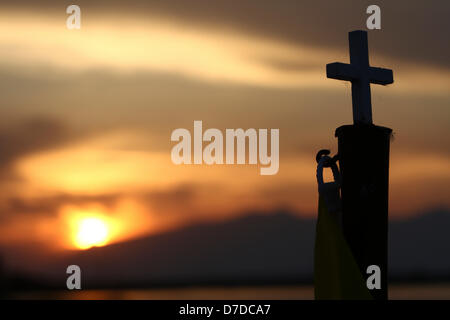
(91,232)
(95,225)
(89,227)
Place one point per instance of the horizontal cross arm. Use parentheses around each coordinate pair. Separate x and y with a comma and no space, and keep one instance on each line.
(381,76)
(342,71)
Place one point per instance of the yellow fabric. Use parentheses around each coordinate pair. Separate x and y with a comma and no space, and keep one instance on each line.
(336,273)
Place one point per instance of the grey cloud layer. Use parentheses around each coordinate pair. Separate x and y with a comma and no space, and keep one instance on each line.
(411,30)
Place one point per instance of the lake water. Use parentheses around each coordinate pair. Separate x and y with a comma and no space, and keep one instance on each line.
(430,291)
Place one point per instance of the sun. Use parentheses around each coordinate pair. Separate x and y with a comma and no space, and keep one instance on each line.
(91,232)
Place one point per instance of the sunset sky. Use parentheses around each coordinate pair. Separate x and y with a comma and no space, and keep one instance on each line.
(87,115)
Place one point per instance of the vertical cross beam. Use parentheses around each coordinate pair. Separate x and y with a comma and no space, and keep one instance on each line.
(359,57)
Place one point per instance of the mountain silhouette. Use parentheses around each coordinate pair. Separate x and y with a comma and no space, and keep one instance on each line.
(270,247)
(255,248)
(420,246)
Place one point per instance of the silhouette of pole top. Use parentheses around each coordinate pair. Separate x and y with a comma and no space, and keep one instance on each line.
(361,75)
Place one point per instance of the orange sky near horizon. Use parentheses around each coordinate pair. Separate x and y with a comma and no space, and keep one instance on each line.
(103,101)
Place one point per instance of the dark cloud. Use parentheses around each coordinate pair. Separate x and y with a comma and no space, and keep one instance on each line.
(19,139)
(411,30)
(29,136)
(49,205)
(180,198)
(180,195)
(286,65)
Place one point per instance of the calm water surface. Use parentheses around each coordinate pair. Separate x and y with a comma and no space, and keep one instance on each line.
(431,291)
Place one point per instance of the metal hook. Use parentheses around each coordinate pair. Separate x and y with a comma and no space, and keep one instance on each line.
(324,161)
(321,153)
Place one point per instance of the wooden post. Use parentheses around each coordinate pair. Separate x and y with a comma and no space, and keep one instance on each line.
(363,153)
(364,165)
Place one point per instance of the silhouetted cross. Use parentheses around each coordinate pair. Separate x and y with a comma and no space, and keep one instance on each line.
(361,74)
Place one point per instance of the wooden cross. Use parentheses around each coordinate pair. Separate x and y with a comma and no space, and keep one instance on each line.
(361,75)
